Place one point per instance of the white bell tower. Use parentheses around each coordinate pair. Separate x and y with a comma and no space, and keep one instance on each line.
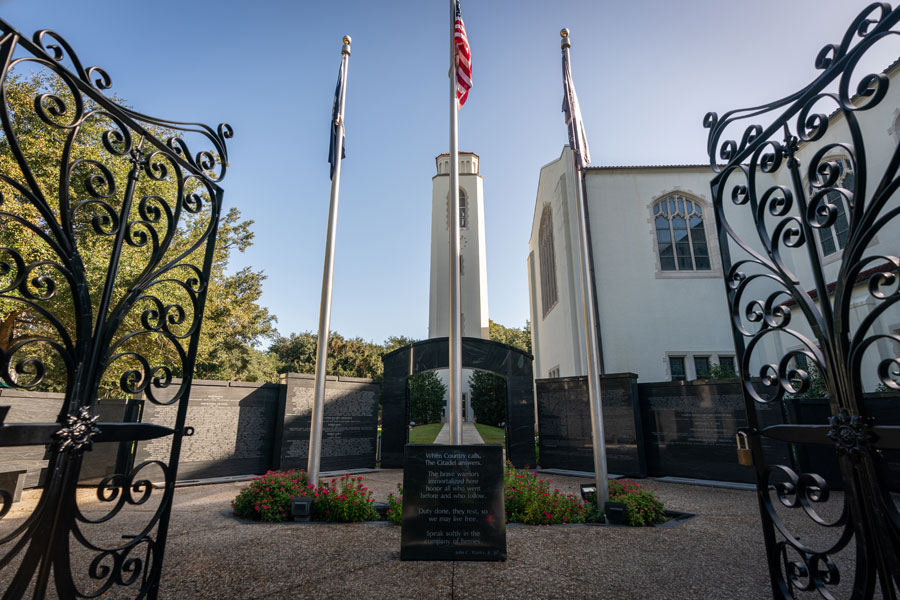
(472,267)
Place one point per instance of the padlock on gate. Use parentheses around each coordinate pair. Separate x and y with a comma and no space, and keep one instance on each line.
(745,456)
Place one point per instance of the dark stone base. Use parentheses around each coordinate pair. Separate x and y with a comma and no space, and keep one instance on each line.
(453,503)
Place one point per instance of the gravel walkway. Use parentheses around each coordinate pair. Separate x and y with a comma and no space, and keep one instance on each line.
(717,554)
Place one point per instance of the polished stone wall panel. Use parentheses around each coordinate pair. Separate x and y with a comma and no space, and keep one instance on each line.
(349,427)
(690,429)
(506,361)
(44,407)
(564,423)
(233,423)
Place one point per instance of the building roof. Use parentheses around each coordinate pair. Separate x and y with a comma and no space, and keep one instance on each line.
(860,278)
(618,167)
(460,152)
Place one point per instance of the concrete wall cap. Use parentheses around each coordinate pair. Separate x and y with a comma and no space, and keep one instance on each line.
(299,375)
(207,382)
(252,384)
(356,379)
(14,393)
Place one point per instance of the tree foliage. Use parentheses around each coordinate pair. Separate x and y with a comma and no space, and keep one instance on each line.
(234,322)
(396,342)
(518,338)
(350,357)
(426,397)
(96,177)
(353,357)
(488,393)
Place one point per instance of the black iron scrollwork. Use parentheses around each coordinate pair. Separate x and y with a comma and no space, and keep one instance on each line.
(850,433)
(108,221)
(78,434)
(806,210)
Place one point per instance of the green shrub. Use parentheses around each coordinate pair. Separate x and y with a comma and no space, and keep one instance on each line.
(532,501)
(641,504)
(426,397)
(395,506)
(488,397)
(719,371)
(528,500)
(268,498)
(344,501)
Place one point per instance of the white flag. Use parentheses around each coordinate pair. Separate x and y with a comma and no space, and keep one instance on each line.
(572,112)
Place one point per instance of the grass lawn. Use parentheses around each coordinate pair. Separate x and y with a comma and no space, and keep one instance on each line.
(491,435)
(424,434)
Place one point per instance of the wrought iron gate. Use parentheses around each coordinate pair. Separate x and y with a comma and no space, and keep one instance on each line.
(107,232)
(806,203)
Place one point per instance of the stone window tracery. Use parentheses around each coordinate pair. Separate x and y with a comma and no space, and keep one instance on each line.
(680,234)
(834,238)
(548,261)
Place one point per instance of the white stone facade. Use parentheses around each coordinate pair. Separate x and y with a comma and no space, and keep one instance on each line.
(648,315)
(473,263)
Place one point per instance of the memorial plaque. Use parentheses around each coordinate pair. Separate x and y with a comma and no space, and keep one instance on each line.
(349,428)
(564,420)
(691,430)
(233,426)
(453,505)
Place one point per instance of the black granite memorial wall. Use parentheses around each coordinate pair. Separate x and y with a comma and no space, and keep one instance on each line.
(44,407)
(564,423)
(883,408)
(690,429)
(233,423)
(453,504)
(506,361)
(239,428)
(349,429)
(680,429)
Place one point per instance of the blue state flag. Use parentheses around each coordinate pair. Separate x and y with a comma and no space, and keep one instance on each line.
(336,125)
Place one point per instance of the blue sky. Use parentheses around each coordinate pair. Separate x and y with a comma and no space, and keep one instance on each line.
(646,72)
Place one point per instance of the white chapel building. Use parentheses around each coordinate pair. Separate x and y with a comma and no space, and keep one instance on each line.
(472,263)
(658,276)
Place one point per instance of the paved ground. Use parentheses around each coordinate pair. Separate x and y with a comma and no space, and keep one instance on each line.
(718,554)
(469,433)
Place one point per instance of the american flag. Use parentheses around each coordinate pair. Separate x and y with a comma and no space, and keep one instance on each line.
(463,59)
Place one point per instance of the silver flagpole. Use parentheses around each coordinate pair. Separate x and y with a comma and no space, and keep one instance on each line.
(587,303)
(318,411)
(455,399)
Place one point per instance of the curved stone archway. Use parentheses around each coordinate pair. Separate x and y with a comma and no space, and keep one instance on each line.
(506,361)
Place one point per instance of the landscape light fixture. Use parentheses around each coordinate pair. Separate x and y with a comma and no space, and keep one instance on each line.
(589,492)
(301,508)
(616,513)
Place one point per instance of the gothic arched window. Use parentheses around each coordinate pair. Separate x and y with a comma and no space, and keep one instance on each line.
(548,261)
(680,235)
(834,238)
